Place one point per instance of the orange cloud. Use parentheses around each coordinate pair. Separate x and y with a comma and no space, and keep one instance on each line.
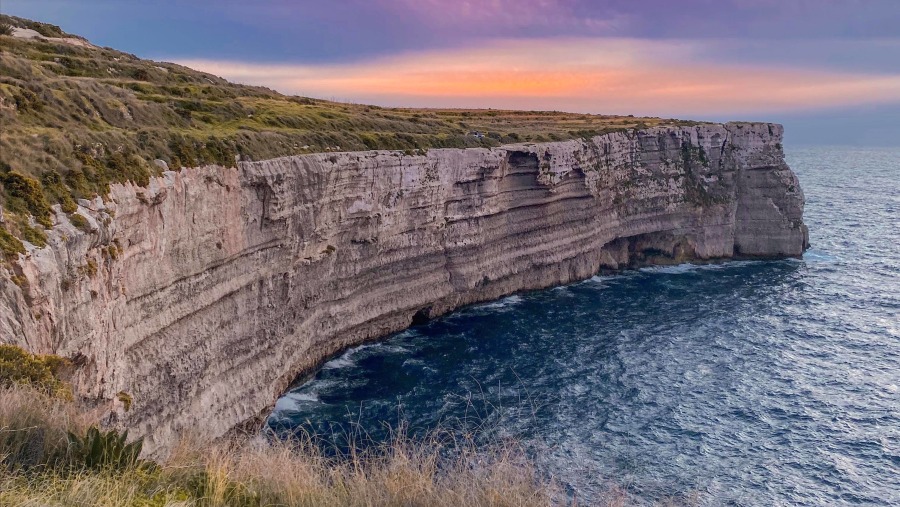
(587,75)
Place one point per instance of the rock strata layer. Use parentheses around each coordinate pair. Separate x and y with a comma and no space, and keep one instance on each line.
(202,296)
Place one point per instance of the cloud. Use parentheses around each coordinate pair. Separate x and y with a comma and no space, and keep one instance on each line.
(308,31)
(599,75)
(504,14)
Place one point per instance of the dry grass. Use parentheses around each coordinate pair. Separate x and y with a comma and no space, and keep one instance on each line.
(254,472)
(402,472)
(439,470)
(39,467)
(33,427)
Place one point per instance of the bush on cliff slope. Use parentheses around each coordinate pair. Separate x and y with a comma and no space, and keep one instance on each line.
(10,246)
(19,368)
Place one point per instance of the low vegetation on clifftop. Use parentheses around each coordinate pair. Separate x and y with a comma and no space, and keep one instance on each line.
(77,117)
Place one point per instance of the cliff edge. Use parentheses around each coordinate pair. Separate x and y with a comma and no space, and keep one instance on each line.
(203,295)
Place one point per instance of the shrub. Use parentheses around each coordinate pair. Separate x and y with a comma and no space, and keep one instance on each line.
(89,268)
(24,194)
(33,235)
(56,190)
(10,246)
(46,29)
(18,367)
(126,399)
(80,222)
(141,75)
(26,100)
(127,167)
(99,450)
(6,29)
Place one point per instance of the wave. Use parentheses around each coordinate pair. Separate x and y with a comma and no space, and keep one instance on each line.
(680,269)
(349,358)
(293,401)
(503,303)
(345,360)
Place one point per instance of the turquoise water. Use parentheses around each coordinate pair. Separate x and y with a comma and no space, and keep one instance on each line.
(743,383)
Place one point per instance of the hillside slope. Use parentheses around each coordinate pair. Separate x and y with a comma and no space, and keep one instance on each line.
(77,117)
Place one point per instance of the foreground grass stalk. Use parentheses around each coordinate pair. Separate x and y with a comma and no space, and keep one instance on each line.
(40,466)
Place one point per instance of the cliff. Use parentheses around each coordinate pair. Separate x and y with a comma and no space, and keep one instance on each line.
(203,295)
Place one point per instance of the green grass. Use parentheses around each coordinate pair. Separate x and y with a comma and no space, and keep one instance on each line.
(77,119)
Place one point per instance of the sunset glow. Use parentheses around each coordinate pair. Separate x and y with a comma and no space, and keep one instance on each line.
(589,75)
(798,62)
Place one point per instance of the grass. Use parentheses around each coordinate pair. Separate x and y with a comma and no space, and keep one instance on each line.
(46,460)
(252,472)
(76,119)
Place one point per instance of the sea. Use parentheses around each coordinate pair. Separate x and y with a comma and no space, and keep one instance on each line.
(745,383)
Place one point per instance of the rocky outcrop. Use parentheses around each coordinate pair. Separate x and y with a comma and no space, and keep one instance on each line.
(202,296)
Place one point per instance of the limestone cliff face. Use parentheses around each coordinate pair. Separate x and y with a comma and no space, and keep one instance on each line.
(203,295)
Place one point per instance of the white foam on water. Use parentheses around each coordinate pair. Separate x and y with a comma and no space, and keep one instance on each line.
(348,359)
(670,270)
(503,303)
(292,401)
(304,397)
(815,255)
(680,269)
(597,281)
(408,333)
(345,360)
(563,291)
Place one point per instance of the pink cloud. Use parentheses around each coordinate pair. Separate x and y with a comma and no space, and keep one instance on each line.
(621,76)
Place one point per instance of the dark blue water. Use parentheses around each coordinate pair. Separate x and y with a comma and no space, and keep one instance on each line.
(744,383)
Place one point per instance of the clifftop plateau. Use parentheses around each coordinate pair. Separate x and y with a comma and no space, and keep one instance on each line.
(77,117)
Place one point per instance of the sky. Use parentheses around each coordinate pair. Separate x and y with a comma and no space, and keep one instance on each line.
(828,69)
